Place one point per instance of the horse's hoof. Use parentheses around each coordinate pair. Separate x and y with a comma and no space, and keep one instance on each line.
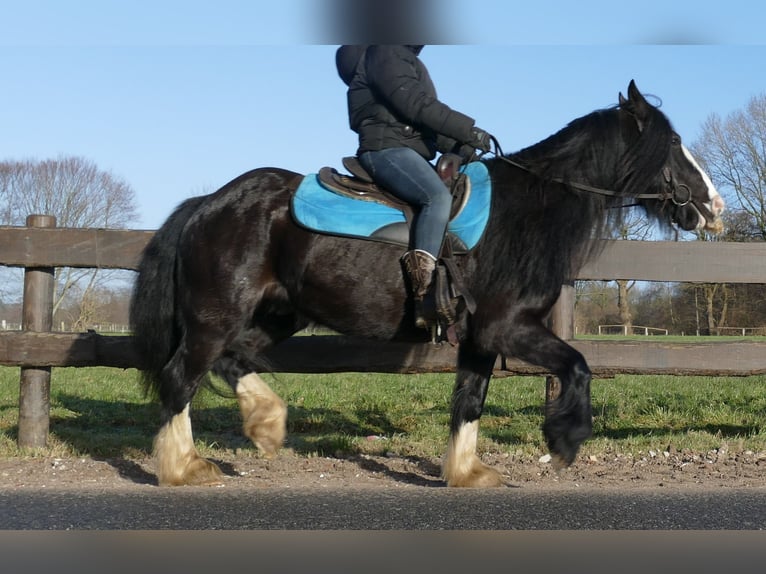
(202,472)
(199,472)
(479,476)
(269,440)
(559,463)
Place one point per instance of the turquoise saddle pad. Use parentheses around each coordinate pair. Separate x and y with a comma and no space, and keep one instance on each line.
(320,209)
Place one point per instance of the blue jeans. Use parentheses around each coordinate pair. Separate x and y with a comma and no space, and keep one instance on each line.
(406,174)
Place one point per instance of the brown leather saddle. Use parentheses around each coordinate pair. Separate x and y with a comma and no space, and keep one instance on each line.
(360,185)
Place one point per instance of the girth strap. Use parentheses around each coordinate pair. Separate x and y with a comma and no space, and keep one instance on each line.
(458,288)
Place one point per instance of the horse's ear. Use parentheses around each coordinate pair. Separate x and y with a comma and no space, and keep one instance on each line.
(635,96)
(635,104)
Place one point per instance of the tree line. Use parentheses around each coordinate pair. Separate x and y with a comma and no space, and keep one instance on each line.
(681,308)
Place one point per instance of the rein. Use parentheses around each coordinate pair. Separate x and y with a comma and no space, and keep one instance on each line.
(590,188)
(597,190)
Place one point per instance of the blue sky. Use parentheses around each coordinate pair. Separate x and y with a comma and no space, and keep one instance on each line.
(177,98)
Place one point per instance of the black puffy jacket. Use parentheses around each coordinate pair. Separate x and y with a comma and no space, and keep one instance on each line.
(392,101)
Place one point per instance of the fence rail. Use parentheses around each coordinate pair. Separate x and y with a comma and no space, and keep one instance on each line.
(40,247)
(632,330)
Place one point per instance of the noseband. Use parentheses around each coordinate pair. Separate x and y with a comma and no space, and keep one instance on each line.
(676,191)
(681,195)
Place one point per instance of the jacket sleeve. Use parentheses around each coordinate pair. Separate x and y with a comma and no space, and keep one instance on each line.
(446,144)
(392,74)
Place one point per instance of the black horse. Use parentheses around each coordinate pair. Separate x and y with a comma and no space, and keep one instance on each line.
(230,274)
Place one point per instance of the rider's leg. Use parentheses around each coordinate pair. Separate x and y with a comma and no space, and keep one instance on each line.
(407,175)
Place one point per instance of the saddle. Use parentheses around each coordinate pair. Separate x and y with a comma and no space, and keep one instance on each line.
(360,185)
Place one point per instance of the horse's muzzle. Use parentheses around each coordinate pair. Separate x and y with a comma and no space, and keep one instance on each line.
(716,226)
(711,215)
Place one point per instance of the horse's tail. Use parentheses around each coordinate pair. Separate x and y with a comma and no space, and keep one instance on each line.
(156,329)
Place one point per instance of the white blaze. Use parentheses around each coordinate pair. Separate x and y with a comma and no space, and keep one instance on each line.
(716,203)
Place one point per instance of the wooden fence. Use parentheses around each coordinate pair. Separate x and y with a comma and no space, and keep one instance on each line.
(40,247)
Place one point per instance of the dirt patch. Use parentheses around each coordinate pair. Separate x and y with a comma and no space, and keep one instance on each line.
(665,470)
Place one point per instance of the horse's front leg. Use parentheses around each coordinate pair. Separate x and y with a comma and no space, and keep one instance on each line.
(461,465)
(568,417)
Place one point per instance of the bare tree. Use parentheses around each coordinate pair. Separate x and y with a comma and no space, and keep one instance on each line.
(71,188)
(78,194)
(733,151)
(594,305)
(633,227)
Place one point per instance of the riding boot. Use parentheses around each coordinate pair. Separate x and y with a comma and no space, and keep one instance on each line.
(420,266)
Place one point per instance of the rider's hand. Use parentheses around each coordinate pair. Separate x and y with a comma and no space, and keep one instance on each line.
(480,140)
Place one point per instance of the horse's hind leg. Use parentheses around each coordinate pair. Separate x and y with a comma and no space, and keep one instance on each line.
(461,465)
(264,414)
(176,458)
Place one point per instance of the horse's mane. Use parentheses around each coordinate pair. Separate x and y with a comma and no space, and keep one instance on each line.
(554,222)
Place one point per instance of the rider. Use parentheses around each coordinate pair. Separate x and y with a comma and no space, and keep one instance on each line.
(392,105)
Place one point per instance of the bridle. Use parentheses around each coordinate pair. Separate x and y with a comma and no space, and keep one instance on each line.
(678,193)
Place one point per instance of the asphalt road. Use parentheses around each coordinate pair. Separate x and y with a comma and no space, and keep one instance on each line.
(390,509)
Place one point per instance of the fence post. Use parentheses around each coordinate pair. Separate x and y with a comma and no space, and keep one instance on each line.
(37,316)
(562,325)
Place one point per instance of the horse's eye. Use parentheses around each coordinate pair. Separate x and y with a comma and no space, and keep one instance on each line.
(676,140)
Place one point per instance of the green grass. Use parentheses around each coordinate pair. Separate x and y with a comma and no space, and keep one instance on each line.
(674,338)
(102,412)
